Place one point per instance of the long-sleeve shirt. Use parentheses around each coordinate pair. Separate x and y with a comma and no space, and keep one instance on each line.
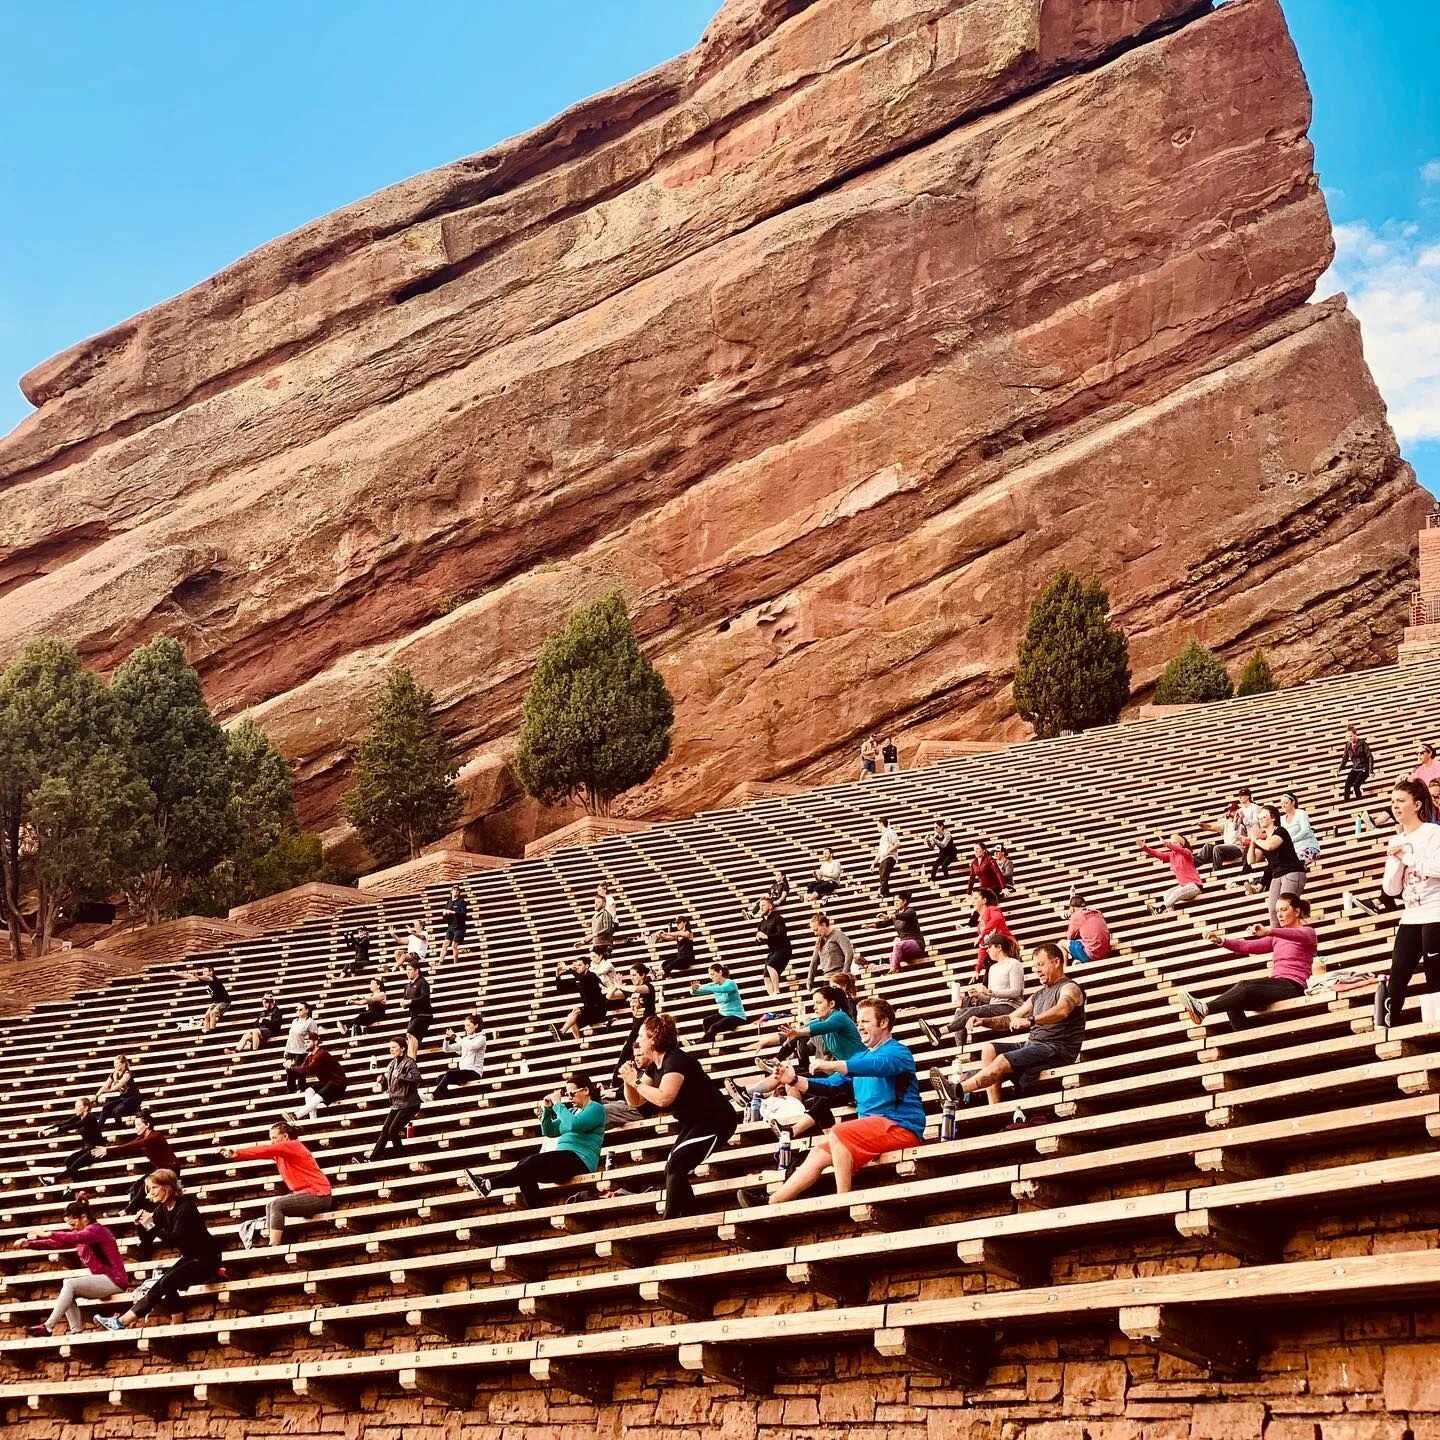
(1302,832)
(1090,929)
(297,1167)
(87,1127)
(1356,756)
(1180,861)
(402,1083)
(152,1145)
(471,1050)
(581,1131)
(1291,951)
(906,924)
(1413,876)
(727,998)
(94,1245)
(992,922)
(884,1083)
(985,875)
(322,1070)
(182,1228)
(1005,980)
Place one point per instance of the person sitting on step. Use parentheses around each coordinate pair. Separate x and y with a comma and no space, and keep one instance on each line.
(909,943)
(1087,934)
(1291,945)
(1000,994)
(575,1121)
(1176,853)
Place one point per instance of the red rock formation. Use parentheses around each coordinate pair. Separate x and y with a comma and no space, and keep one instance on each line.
(826,342)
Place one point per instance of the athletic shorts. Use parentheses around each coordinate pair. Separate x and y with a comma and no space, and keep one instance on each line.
(455,933)
(420,1028)
(1028,1058)
(218,1007)
(778,963)
(871,1137)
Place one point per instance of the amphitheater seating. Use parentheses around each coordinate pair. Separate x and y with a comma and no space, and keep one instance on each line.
(1173,1185)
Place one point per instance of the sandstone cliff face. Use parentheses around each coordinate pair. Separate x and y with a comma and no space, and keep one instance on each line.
(826,342)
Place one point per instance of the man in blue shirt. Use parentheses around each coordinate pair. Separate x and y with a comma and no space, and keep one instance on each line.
(887,1099)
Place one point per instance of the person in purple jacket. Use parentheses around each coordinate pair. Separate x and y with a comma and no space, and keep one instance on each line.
(1291,946)
(95,1246)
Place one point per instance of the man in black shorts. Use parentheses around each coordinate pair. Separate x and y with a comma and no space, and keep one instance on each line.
(456,915)
(1052,1021)
(593,1011)
(417,996)
(215,989)
(776,935)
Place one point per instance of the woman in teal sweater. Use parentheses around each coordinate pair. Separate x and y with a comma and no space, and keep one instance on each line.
(579,1123)
(729,1008)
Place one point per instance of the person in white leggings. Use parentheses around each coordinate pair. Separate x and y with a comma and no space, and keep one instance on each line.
(96,1248)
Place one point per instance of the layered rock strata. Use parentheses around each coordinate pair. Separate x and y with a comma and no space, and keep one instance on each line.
(826,342)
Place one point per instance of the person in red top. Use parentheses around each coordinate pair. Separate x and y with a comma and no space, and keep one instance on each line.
(1088,934)
(97,1251)
(1176,853)
(303,1178)
(984,872)
(989,921)
(154,1146)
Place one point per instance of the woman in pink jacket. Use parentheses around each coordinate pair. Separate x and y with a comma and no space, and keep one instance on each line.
(1291,946)
(95,1246)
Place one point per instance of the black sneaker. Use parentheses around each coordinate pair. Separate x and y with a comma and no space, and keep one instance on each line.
(752,1197)
(1197,1010)
(943,1088)
(739,1093)
(480,1184)
(929,1032)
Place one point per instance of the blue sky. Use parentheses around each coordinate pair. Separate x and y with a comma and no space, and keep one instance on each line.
(150,143)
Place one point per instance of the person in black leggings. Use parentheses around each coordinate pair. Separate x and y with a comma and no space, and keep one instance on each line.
(642,1005)
(1412,878)
(576,1122)
(401,1082)
(85,1123)
(670,1078)
(172,1219)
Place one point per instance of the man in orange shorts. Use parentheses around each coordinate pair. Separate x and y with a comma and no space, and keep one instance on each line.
(887,1099)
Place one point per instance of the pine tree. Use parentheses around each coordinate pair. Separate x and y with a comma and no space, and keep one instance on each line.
(1256,678)
(1072,669)
(598,716)
(403,795)
(181,754)
(1194,676)
(73,812)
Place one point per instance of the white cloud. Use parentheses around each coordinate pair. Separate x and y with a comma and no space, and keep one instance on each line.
(1430,172)
(1392,276)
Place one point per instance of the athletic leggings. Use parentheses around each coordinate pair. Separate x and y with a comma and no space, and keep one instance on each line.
(691,1150)
(392,1132)
(117,1107)
(184,1273)
(1251,995)
(456,1079)
(547,1167)
(1353,781)
(717,1025)
(627,1046)
(1417,947)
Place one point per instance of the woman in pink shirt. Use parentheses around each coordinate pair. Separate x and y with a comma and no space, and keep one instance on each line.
(1176,853)
(1429,767)
(97,1251)
(1291,946)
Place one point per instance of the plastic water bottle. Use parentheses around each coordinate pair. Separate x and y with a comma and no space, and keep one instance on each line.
(782,1152)
(755,1108)
(947,1123)
(607,1164)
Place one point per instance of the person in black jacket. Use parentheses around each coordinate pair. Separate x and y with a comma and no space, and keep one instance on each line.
(422,1013)
(593,1011)
(946,851)
(171,1219)
(456,915)
(1356,762)
(401,1082)
(85,1123)
(357,942)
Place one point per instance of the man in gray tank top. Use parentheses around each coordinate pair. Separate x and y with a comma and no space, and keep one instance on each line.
(1053,1021)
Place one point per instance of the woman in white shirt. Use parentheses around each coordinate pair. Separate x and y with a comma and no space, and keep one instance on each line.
(826,879)
(1299,829)
(1412,876)
(301,1027)
(469,1045)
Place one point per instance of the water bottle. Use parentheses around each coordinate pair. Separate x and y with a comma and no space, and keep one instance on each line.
(607,1164)
(947,1123)
(782,1152)
(755,1107)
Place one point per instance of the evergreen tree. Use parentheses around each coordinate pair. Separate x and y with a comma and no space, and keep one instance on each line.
(1256,678)
(73,812)
(598,716)
(1072,669)
(403,795)
(1194,676)
(181,754)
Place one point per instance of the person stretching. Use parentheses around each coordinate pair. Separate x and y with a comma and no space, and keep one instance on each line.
(909,943)
(215,989)
(576,1122)
(984,873)
(170,1218)
(1001,994)
(886,857)
(422,1014)
(120,1095)
(84,1123)
(1054,1016)
(400,1080)
(371,1013)
(729,1008)
(889,1112)
(1412,876)
(667,1077)
(1087,935)
(682,935)
(947,852)
(302,1177)
(153,1144)
(297,1044)
(268,1024)
(469,1046)
(1291,946)
(1176,853)
(320,1073)
(1271,845)
(96,1248)
(593,1011)
(775,934)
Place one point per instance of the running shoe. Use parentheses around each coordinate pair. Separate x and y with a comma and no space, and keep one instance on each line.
(480,1184)
(1197,1010)
(109,1322)
(931,1035)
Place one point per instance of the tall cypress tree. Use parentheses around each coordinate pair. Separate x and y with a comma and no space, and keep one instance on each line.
(1072,669)
(403,795)
(597,716)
